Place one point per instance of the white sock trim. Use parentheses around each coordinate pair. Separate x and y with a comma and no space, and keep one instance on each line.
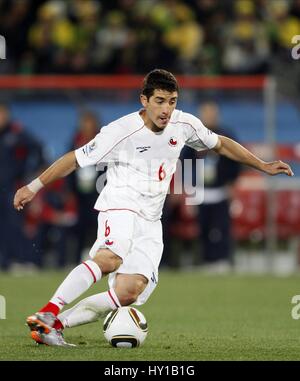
(94,269)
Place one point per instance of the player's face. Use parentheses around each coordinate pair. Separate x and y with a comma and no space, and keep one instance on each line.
(159,108)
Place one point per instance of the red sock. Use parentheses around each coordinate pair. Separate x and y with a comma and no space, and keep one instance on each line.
(51,307)
(58,324)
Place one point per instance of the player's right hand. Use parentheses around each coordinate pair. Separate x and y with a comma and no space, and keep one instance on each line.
(22,197)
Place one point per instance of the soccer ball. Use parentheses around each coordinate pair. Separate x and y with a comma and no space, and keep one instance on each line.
(125,327)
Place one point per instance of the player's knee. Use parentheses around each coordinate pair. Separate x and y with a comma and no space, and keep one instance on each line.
(128,295)
(107,261)
(128,298)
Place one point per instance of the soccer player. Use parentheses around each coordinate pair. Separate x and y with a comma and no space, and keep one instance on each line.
(141,150)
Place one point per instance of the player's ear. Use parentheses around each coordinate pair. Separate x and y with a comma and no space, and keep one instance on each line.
(143,100)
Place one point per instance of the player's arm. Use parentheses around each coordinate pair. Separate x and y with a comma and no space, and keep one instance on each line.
(60,168)
(233,150)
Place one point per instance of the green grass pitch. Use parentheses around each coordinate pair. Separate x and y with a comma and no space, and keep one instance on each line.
(190,317)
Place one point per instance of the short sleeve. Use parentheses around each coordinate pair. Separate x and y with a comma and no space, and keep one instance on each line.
(99,149)
(198,136)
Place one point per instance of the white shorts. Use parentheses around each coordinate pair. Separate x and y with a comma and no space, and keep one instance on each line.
(137,241)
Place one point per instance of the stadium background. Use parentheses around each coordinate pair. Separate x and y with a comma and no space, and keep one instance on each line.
(66,58)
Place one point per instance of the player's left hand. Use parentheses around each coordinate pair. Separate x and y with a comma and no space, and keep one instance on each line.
(276,167)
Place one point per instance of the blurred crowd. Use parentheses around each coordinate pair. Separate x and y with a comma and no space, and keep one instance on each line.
(56,227)
(133,36)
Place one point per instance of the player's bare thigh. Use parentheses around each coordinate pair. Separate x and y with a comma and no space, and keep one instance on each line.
(107,261)
(129,286)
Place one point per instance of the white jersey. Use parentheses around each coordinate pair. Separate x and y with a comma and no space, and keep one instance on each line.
(141,162)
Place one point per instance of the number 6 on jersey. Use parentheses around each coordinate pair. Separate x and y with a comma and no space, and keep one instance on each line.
(161,172)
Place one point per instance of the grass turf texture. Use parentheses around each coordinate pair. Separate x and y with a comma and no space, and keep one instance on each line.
(190,317)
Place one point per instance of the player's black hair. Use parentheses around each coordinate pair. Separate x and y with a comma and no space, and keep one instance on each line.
(159,79)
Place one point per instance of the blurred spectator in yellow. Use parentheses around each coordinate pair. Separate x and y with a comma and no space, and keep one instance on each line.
(245,41)
(51,34)
(195,36)
(115,40)
(185,37)
(211,15)
(282,24)
(52,24)
(86,19)
(163,14)
(148,34)
(180,31)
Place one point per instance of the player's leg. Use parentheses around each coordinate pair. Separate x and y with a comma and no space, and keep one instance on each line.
(134,281)
(128,287)
(125,292)
(77,282)
(104,261)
